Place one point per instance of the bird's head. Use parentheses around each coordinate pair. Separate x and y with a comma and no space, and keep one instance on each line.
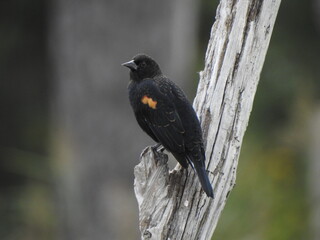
(142,67)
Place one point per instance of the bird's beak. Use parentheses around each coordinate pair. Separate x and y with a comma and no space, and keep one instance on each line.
(131,65)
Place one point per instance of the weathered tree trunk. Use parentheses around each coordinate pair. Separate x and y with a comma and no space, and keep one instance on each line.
(171,204)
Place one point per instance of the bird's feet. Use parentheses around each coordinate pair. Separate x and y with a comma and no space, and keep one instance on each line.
(159,156)
(158,148)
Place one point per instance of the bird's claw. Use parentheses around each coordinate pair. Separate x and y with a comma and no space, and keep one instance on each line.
(158,148)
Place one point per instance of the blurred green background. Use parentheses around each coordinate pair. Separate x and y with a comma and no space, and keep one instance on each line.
(272,197)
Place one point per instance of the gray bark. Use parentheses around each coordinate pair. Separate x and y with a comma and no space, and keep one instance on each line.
(171,204)
(94,133)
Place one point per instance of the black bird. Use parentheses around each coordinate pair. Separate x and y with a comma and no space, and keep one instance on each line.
(165,114)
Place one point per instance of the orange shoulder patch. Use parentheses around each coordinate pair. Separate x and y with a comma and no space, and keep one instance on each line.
(147,100)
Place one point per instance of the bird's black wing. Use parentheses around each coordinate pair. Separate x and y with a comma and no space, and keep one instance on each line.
(145,126)
(157,114)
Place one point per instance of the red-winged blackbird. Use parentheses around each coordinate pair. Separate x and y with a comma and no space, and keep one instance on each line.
(164,113)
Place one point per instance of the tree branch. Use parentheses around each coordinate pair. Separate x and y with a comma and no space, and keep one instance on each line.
(172,204)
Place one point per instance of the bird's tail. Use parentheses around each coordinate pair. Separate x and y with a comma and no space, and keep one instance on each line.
(203,177)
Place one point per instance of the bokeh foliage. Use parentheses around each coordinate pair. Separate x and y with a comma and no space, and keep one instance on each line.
(26,190)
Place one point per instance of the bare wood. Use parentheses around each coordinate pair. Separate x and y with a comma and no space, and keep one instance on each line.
(172,204)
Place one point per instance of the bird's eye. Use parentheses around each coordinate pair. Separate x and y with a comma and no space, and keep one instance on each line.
(143,64)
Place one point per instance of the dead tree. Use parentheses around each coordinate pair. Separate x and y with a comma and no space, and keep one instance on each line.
(171,203)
